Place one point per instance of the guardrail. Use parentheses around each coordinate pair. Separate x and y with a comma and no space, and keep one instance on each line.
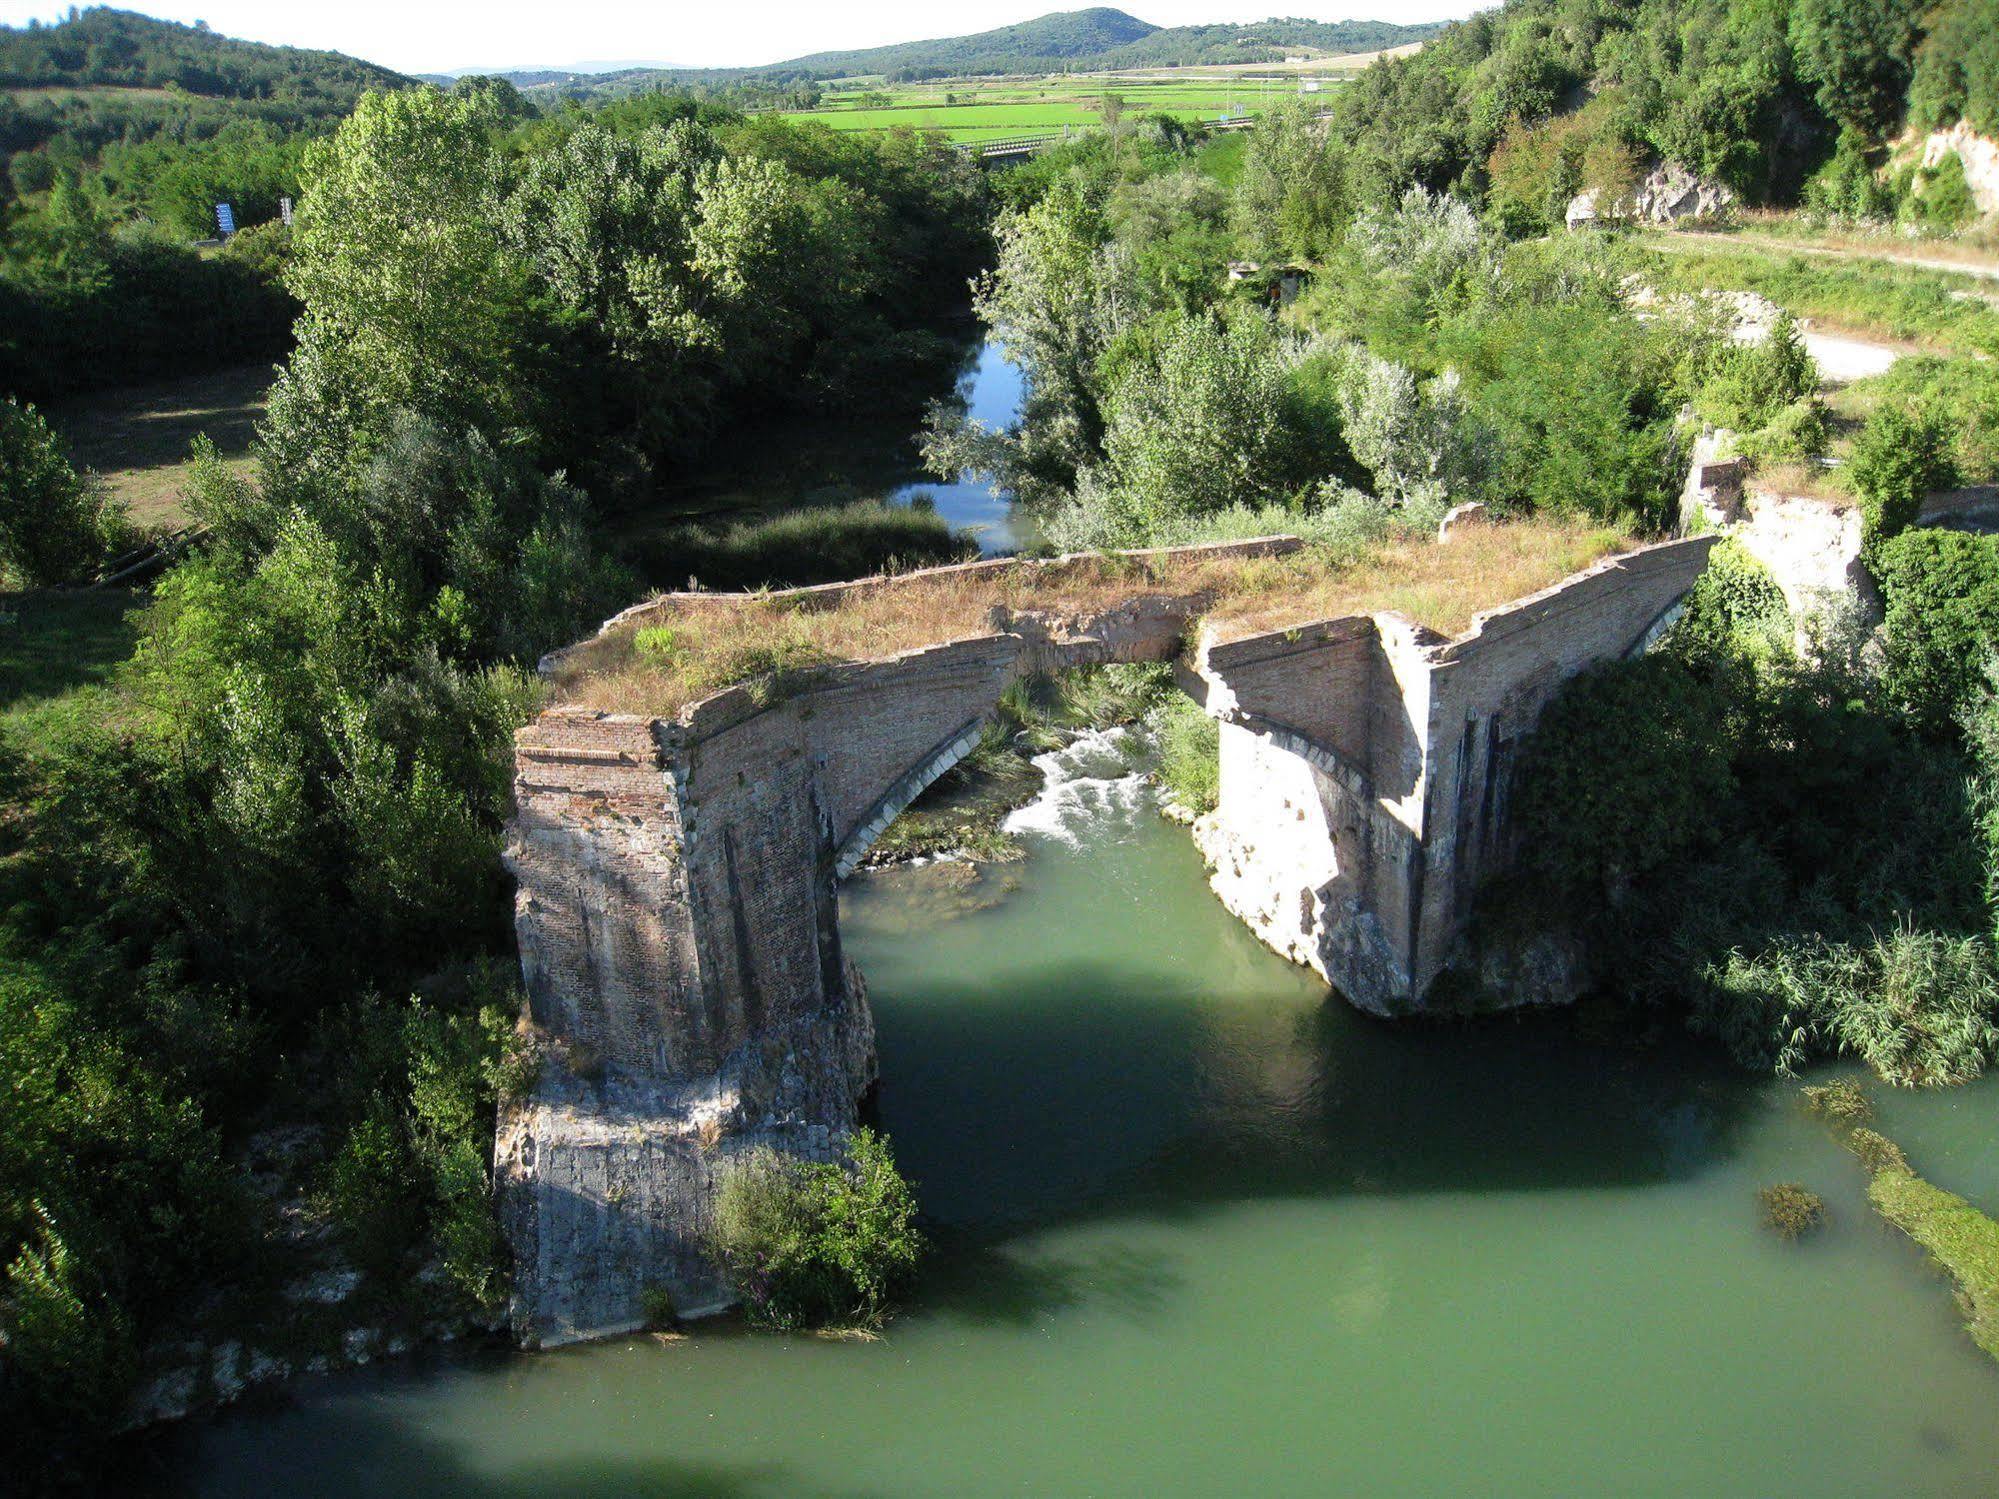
(1021,145)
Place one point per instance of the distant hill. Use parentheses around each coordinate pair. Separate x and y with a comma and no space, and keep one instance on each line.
(525,75)
(1066,36)
(1085,40)
(105,48)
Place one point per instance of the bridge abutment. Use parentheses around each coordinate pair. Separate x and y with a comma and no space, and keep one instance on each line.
(677,905)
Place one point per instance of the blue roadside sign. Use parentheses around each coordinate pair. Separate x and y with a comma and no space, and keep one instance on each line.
(225,219)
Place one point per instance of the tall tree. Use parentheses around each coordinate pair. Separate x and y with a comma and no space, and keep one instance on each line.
(409,302)
(1858,52)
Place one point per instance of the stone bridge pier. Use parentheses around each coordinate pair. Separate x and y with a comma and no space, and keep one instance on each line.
(677,882)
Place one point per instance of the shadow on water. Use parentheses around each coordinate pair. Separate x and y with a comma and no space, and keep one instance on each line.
(1115,1102)
(972,1280)
(361,1434)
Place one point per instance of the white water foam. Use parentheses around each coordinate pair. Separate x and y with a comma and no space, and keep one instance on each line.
(1087,783)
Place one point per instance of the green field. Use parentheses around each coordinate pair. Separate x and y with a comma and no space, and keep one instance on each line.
(995,111)
(136,439)
(58,653)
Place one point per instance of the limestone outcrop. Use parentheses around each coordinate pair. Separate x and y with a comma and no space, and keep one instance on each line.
(1667,194)
(1979,156)
(1809,544)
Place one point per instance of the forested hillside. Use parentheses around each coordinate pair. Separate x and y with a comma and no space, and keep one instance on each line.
(1061,37)
(106,48)
(119,134)
(1540,98)
(1105,38)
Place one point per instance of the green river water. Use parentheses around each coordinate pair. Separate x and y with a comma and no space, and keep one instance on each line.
(1204,1230)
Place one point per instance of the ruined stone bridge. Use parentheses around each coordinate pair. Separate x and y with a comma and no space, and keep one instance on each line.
(677,907)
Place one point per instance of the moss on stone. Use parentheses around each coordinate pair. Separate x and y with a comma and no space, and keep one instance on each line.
(1964,1241)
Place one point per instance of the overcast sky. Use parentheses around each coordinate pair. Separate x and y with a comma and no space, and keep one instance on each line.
(420,36)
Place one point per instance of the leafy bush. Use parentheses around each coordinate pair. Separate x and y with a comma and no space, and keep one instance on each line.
(1200,428)
(1956,74)
(412,1180)
(1627,771)
(1742,827)
(1799,433)
(1849,186)
(1189,753)
(1579,404)
(1790,1209)
(69,1349)
(817,1243)
(1939,198)
(1754,384)
(1964,395)
(1920,1008)
(1735,608)
(1942,590)
(1898,458)
(56,525)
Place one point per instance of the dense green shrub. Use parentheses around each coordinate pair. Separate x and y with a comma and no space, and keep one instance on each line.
(1900,456)
(412,1179)
(1627,772)
(1799,433)
(1956,74)
(1735,608)
(1917,1007)
(116,1207)
(817,1243)
(1963,393)
(1579,407)
(1850,185)
(84,309)
(1743,826)
(1201,426)
(56,525)
(1189,752)
(1754,384)
(1938,199)
(1942,590)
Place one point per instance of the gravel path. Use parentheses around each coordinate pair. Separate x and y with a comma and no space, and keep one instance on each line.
(1707,239)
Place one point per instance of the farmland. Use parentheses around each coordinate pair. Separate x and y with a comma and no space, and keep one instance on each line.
(975,111)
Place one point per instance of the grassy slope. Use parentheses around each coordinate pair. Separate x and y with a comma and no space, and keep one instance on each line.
(1938,310)
(137,439)
(58,653)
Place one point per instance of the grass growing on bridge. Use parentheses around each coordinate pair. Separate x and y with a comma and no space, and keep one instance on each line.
(688,649)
